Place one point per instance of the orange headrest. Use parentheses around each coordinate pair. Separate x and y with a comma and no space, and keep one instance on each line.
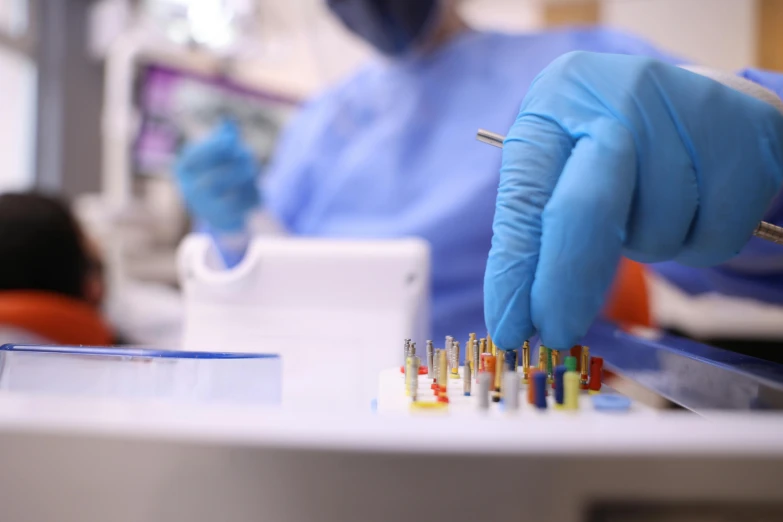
(60,319)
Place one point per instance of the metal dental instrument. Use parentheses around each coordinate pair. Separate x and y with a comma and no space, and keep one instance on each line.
(764,230)
(491,138)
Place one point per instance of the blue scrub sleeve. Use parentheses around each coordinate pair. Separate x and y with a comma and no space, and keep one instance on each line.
(290,178)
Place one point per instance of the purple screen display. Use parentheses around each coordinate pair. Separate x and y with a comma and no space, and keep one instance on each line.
(176,107)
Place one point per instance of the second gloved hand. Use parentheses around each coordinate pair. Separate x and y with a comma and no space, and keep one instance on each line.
(218,179)
(620,155)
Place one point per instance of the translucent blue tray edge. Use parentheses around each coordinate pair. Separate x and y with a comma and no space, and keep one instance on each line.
(131,352)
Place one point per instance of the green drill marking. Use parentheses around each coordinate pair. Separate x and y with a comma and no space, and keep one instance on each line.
(548,355)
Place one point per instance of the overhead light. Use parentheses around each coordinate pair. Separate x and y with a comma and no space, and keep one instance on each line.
(212,23)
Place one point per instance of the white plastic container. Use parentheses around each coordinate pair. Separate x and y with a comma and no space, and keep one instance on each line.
(336,311)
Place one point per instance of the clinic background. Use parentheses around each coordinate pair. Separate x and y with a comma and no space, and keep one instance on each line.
(97,96)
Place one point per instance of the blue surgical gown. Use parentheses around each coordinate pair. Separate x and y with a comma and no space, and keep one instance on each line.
(391,152)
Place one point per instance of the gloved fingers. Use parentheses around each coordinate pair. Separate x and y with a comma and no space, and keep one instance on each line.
(238,171)
(217,164)
(223,192)
(534,153)
(221,196)
(237,198)
(228,210)
(217,178)
(210,181)
(220,146)
(667,199)
(582,88)
(583,230)
(229,129)
(667,191)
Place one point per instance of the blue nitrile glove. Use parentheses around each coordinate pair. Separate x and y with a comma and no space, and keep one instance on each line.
(218,179)
(620,155)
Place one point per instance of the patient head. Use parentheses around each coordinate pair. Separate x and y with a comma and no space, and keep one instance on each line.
(43,248)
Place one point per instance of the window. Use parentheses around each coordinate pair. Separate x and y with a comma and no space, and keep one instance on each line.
(14,18)
(18,87)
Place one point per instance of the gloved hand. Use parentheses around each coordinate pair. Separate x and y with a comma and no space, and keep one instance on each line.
(620,155)
(218,178)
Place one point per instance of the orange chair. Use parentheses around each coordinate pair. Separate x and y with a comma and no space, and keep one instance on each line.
(628,302)
(53,317)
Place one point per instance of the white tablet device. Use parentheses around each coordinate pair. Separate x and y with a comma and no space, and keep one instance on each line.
(336,311)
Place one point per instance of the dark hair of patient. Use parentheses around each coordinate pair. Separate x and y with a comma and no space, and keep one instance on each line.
(41,246)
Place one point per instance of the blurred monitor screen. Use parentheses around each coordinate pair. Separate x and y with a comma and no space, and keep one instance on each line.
(176,106)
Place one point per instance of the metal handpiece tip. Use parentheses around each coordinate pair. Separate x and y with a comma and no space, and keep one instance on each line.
(491,138)
(766,231)
(769,232)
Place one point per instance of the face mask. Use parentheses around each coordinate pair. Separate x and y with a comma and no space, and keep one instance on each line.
(391,26)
